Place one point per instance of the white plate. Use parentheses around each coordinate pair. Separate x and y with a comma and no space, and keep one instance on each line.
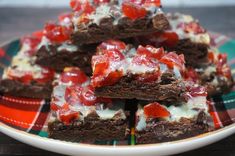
(79,149)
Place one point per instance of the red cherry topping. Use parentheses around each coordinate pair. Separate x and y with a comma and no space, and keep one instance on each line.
(133,11)
(194,27)
(97,2)
(144,60)
(88,97)
(197,91)
(57,33)
(65,18)
(138,2)
(155,110)
(74,75)
(156,3)
(172,59)
(115,55)
(169,39)
(38,34)
(112,45)
(100,64)
(151,51)
(54,107)
(73,94)
(66,115)
(110,79)
(83,6)
(222,66)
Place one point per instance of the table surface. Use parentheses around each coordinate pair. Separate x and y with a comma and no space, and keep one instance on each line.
(16,22)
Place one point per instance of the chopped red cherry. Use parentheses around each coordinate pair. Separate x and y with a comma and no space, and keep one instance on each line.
(54,107)
(26,79)
(169,39)
(156,3)
(109,79)
(194,27)
(112,45)
(67,116)
(172,59)
(197,91)
(133,11)
(88,97)
(222,59)
(144,60)
(65,18)
(151,51)
(97,2)
(38,34)
(76,5)
(155,110)
(73,94)
(74,75)
(83,6)
(115,55)
(99,64)
(57,33)
(138,2)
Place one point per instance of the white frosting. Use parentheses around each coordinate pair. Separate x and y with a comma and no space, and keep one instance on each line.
(101,12)
(44,42)
(184,19)
(22,64)
(67,47)
(141,125)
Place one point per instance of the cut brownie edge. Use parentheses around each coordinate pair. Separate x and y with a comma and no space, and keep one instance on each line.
(18,89)
(124,29)
(50,57)
(195,53)
(128,88)
(90,130)
(164,131)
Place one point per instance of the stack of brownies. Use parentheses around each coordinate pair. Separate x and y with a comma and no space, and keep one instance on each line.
(110,59)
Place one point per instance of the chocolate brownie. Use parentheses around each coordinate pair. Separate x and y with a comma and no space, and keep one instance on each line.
(91,129)
(116,20)
(167,89)
(165,131)
(195,53)
(18,89)
(50,56)
(78,115)
(157,123)
(215,74)
(145,73)
(23,78)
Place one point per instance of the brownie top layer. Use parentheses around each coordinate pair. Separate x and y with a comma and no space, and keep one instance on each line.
(94,12)
(114,60)
(195,103)
(23,67)
(73,98)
